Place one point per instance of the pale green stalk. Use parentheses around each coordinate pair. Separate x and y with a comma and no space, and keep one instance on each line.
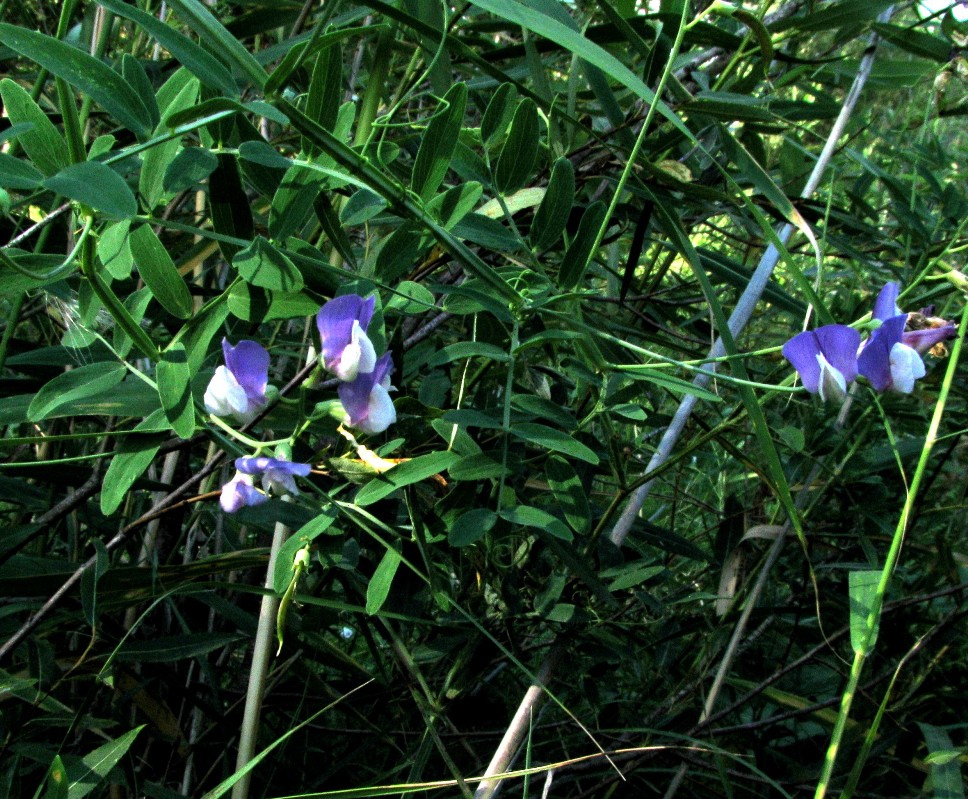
(262,651)
(890,562)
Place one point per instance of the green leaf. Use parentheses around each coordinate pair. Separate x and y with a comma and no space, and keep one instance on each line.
(943,761)
(468,349)
(529,516)
(478,466)
(80,383)
(258,305)
(579,252)
(919,43)
(361,207)
(471,526)
(197,334)
(261,264)
(401,252)
(326,88)
(97,185)
(573,42)
(133,456)
(569,493)
(378,588)
(438,143)
(555,440)
(497,117)
(406,473)
(15,173)
(552,215)
(168,649)
(455,203)
(189,168)
(229,205)
(218,39)
(292,204)
(306,534)
(57,780)
(862,587)
(833,16)
(175,390)
(632,575)
(43,144)
(195,59)
(114,249)
(99,763)
(662,378)
(263,153)
(134,73)
(330,224)
(409,298)
(95,79)
(90,579)
(178,94)
(158,271)
(516,162)
(297,55)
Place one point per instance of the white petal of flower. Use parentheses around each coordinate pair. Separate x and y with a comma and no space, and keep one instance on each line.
(358,356)
(224,396)
(380,411)
(906,367)
(832,385)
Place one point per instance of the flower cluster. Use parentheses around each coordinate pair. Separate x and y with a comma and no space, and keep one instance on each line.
(349,354)
(238,390)
(277,476)
(829,358)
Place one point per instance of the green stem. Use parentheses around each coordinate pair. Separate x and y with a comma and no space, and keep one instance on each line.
(640,139)
(13,316)
(874,615)
(506,420)
(374,88)
(259,670)
(113,305)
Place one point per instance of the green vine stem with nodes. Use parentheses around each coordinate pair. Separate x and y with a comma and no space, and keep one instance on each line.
(866,642)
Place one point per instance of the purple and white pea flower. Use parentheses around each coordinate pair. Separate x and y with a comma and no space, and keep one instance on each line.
(240,492)
(238,388)
(891,358)
(887,362)
(366,399)
(826,359)
(278,475)
(343,322)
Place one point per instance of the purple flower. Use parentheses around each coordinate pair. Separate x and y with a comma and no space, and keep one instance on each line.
(367,400)
(887,362)
(239,388)
(239,492)
(826,359)
(927,338)
(923,330)
(277,474)
(342,323)
(885,306)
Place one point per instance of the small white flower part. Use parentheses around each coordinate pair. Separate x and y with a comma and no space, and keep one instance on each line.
(240,492)
(358,356)
(238,388)
(278,475)
(906,367)
(832,384)
(224,396)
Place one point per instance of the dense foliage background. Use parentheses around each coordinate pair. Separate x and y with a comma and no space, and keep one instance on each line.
(553,253)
